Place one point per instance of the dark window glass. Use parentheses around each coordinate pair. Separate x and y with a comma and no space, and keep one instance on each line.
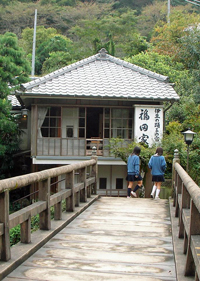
(102,183)
(119,183)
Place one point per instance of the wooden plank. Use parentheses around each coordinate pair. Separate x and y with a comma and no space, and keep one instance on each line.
(186,220)
(195,248)
(90,181)
(1,229)
(59,196)
(23,214)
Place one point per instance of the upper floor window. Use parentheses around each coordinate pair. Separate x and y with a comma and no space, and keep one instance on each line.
(51,126)
(118,123)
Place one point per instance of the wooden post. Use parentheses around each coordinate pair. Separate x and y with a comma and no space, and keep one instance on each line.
(25,231)
(5,254)
(95,173)
(184,205)
(175,159)
(194,230)
(44,195)
(178,191)
(58,206)
(69,184)
(83,193)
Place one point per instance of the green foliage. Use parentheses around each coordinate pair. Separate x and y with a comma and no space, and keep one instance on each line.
(190,50)
(161,64)
(42,35)
(13,70)
(55,44)
(194,156)
(15,235)
(120,149)
(118,26)
(56,61)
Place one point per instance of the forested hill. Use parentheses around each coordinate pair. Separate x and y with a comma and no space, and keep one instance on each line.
(63,14)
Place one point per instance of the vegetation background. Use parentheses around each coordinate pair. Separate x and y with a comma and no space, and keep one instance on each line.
(138,31)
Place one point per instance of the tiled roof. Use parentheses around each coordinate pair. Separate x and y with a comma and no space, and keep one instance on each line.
(103,75)
(14,100)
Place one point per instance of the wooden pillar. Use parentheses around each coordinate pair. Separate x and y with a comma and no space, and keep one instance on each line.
(175,159)
(58,206)
(25,231)
(69,184)
(95,173)
(194,230)
(5,254)
(44,195)
(83,193)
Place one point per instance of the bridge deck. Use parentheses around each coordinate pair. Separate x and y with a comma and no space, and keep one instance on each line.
(114,239)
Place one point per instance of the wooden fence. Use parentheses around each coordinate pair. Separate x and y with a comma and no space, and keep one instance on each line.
(187,209)
(73,193)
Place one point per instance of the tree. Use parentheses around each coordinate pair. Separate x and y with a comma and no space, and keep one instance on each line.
(14,69)
(53,45)
(166,37)
(55,61)
(42,34)
(120,26)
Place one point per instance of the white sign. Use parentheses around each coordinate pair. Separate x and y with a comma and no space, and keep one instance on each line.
(148,125)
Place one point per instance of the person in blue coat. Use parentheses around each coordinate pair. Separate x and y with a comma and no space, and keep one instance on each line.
(157,164)
(133,172)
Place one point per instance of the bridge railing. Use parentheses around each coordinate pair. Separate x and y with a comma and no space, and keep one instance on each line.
(187,209)
(74,191)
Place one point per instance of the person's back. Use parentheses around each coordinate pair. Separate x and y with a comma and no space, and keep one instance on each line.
(157,165)
(133,164)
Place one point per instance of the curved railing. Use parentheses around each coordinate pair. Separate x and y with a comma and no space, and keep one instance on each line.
(71,190)
(187,209)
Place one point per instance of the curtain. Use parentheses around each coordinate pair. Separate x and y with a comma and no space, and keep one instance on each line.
(42,111)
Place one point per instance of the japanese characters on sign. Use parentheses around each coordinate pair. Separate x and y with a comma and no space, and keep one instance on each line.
(148,124)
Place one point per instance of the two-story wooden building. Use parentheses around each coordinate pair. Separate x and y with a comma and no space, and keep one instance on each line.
(85,104)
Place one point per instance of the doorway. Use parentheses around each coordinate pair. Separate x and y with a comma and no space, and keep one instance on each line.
(94,125)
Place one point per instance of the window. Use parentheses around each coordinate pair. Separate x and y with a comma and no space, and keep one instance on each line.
(81,122)
(119,183)
(118,123)
(102,183)
(51,126)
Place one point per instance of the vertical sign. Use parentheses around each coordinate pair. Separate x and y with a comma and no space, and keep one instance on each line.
(148,125)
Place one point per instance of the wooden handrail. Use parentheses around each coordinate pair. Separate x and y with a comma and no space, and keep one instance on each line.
(187,209)
(71,192)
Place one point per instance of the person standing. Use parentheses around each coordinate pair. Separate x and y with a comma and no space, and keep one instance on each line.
(157,164)
(133,172)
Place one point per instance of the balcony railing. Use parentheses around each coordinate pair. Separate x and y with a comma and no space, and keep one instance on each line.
(71,147)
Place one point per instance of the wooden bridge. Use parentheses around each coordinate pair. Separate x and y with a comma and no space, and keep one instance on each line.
(101,238)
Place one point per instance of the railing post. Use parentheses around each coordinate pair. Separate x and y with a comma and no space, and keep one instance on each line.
(175,159)
(95,173)
(69,184)
(44,195)
(5,254)
(194,230)
(58,206)
(25,231)
(83,193)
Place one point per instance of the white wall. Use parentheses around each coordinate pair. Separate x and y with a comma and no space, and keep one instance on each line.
(70,118)
(111,173)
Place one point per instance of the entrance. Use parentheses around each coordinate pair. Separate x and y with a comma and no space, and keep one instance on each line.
(94,126)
